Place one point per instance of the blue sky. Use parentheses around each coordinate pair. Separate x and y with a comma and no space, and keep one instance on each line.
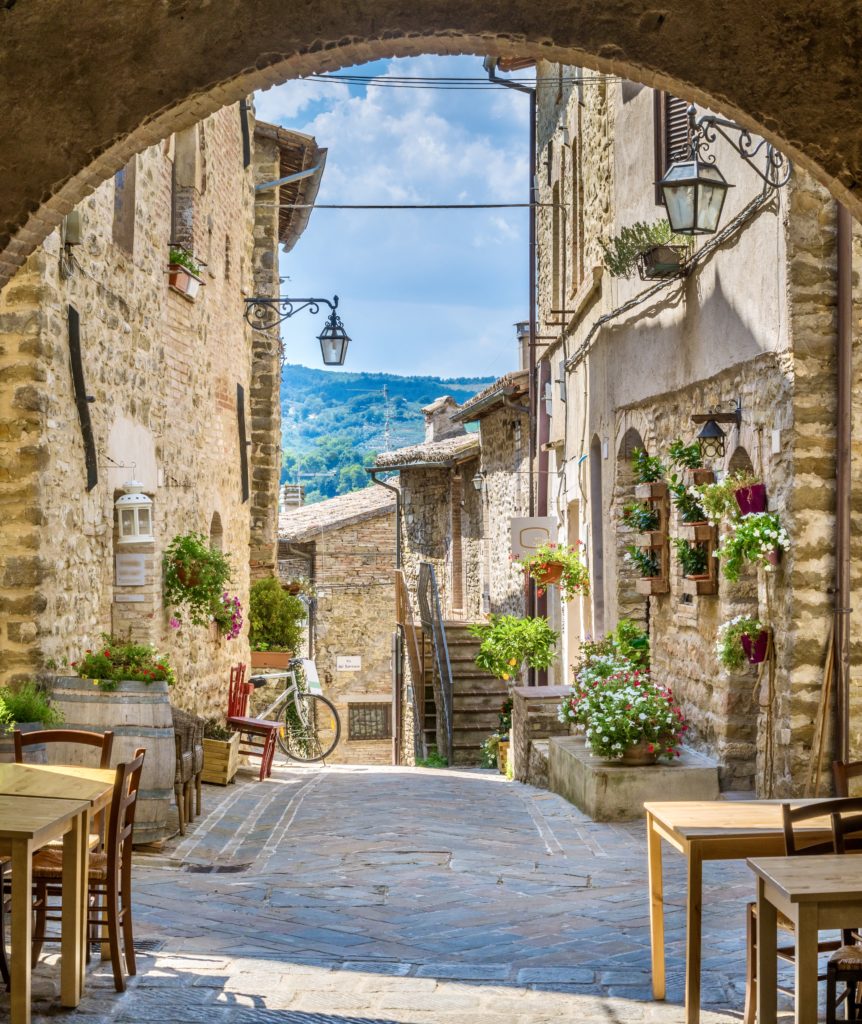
(421,292)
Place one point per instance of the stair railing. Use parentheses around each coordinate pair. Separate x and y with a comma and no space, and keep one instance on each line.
(431,617)
(404,617)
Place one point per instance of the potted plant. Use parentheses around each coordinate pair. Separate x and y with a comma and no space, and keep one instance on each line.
(25,706)
(184,272)
(508,641)
(750,494)
(758,538)
(690,456)
(648,562)
(221,753)
(743,637)
(686,500)
(301,586)
(631,719)
(692,558)
(558,563)
(649,473)
(123,660)
(275,624)
(652,249)
(195,582)
(637,515)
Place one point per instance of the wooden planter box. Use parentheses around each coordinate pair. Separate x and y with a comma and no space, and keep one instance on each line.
(221,760)
(662,261)
(698,586)
(702,533)
(653,539)
(271,659)
(646,492)
(702,476)
(652,585)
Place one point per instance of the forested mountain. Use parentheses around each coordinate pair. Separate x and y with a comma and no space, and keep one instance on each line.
(334,423)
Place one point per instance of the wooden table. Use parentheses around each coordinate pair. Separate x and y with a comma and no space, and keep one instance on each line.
(40,803)
(815,893)
(707,830)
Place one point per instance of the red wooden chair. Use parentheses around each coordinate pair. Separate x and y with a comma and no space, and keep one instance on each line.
(258,734)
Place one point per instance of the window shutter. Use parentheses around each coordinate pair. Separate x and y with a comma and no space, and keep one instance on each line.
(670,134)
(243,441)
(82,399)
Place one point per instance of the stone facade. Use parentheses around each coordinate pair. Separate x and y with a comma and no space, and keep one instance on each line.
(754,322)
(164,377)
(349,548)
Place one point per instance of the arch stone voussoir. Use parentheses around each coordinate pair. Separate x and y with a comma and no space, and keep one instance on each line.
(86,85)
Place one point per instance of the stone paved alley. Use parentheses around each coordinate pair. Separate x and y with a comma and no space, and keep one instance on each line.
(388,896)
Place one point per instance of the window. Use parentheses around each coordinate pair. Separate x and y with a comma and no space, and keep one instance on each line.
(369,721)
(123,228)
(671,133)
(186,187)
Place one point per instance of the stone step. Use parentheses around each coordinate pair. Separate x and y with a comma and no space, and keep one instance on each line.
(467,702)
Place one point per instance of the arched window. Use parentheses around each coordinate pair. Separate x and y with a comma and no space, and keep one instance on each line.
(740,462)
(216,533)
(597,545)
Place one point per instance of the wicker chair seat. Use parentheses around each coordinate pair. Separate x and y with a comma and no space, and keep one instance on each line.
(847,958)
(48,866)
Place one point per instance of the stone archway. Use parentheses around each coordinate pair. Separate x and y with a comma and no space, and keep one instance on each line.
(88,84)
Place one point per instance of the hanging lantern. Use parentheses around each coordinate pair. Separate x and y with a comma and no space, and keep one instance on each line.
(711,439)
(333,341)
(134,515)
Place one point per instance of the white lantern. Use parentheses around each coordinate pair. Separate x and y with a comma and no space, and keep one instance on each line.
(135,514)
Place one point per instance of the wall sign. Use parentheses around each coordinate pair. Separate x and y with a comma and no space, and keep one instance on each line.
(530,532)
(131,570)
(129,598)
(348,663)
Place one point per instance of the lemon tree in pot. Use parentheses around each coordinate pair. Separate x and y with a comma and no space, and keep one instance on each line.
(507,642)
(275,624)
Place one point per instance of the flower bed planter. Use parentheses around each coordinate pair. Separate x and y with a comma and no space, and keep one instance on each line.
(645,492)
(271,659)
(756,648)
(652,585)
(183,281)
(751,499)
(221,760)
(699,586)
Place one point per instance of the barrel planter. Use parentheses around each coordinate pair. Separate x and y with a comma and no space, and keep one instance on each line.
(33,755)
(140,716)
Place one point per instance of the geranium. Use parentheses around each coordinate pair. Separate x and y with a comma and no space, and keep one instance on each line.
(728,645)
(753,538)
(575,577)
(124,659)
(227,615)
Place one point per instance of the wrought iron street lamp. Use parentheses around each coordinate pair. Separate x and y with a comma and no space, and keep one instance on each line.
(693,190)
(711,436)
(262,314)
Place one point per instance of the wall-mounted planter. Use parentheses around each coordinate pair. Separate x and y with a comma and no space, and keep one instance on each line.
(699,586)
(653,539)
(662,261)
(702,476)
(774,556)
(751,499)
(700,532)
(756,648)
(183,281)
(653,491)
(652,585)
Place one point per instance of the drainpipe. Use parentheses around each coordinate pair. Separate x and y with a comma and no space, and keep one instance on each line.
(842,485)
(398,635)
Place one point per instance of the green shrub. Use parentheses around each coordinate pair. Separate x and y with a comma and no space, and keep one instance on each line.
(27,702)
(275,617)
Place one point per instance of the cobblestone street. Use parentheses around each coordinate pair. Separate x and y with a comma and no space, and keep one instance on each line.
(388,896)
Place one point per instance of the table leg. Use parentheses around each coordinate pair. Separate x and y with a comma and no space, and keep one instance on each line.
(767,958)
(693,936)
(656,909)
(806,965)
(75,858)
(22,929)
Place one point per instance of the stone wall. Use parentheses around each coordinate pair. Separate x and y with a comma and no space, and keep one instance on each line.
(163,373)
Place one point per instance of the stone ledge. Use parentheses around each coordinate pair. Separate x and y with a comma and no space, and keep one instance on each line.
(611,792)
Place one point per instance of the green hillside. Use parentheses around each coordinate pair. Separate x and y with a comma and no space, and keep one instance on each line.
(335,423)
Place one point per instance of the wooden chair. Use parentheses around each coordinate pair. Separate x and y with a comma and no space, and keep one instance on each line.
(845,964)
(250,729)
(110,878)
(188,737)
(842,773)
(795,844)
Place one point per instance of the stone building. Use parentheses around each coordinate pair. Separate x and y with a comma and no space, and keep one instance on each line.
(346,547)
(752,325)
(459,491)
(108,372)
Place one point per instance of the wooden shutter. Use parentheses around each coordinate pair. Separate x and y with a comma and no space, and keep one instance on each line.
(82,399)
(243,441)
(670,133)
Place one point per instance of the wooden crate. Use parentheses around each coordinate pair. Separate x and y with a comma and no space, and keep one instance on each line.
(221,760)
(652,585)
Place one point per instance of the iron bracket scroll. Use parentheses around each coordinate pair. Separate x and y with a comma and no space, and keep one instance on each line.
(262,314)
(703,132)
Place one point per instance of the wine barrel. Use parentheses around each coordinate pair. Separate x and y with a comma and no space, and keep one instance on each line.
(34,755)
(139,714)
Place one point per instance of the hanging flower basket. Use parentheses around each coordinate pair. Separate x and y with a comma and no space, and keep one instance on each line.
(755,649)
(751,499)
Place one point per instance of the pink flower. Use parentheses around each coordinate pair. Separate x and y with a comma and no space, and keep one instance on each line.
(174,623)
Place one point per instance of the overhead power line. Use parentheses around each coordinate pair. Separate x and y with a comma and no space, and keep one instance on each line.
(406,206)
(447,82)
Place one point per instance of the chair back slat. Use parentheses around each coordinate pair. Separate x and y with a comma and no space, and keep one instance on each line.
(124,803)
(103,740)
(795,840)
(237,701)
(842,773)
(846,818)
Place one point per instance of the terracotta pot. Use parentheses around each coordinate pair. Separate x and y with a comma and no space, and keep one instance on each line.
(638,754)
(774,556)
(188,577)
(293,588)
(755,650)
(183,280)
(553,574)
(751,499)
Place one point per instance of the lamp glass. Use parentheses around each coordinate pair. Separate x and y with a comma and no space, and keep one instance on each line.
(134,515)
(693,193)
(333,342)
(478,480)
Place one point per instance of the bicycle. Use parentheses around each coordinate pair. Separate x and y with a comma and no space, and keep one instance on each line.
(311,725)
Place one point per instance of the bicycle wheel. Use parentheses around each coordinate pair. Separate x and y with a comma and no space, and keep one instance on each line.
(311,729)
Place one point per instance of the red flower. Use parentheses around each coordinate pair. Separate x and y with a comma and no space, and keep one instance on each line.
(107,654)
(651,748)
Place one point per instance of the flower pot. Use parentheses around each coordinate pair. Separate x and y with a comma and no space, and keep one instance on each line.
(293,588)
(755,650)
(553,574)
(701,531)
(700,586)
(702,476)
(638,754)
(221,760)
(653,491)
(183,281)
(271,659)
(188,576)
(751,499)
(774,556)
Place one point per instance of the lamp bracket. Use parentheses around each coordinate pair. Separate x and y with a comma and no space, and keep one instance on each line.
(704,131)
(262,313)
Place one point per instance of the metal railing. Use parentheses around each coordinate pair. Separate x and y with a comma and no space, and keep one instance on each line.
(432,622)
(404,617)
